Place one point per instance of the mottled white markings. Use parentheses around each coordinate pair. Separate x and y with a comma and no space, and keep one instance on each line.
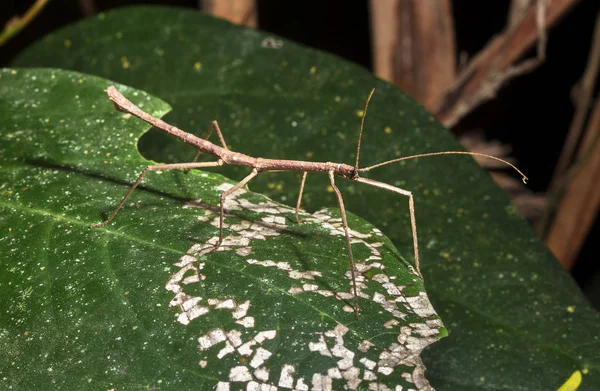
(344,295)
(392,289)
(192,313)
(424,330)
(365,346)
(334,373)
(389,359)
(339,350)
(241,310)
(385,370)
(321,383)
(211,338)
(377,265)
(347,308)
(239,374)
(246,349)
(262,374)
(269,263)
(298,275)
(320,347)
(344,363)
(244,251)
(286,378)
(226,350)
(295,290)
(355,234)
(325,293)
(191,279)
(189,304)
(369,375)
(203,363)
(247,322)
(421,305)
(391,323)
(300,385)
(254,375)
(227,304)
(352,377)
(274,219)
(222,386)
(173,283)
(186,260)
(254,386)
(378,298)
(235,337)
(379,387)
(264,335)
(369,364)
(434,323)
(260,357)
(388,305)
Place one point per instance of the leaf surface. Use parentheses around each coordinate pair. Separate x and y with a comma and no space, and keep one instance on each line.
(145,303)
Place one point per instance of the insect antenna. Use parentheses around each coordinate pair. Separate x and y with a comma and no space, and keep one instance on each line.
(524,177)
(362,123)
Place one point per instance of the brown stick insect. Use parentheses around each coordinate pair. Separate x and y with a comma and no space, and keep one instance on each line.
(258,165)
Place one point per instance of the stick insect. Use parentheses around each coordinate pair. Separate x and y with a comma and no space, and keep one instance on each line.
(259,165)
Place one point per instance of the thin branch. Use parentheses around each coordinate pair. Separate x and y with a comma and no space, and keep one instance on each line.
(518,9)
(16,24)
(413,46)
(236,11)
(493,66)
(88,7)
(585,89)
(581,201)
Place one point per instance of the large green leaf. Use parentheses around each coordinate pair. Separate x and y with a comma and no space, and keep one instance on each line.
(516,319)
(145,302)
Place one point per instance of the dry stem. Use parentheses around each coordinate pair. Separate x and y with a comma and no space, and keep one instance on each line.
(413,46)
(16,24)
(493,66)
(581,201)
(236,11)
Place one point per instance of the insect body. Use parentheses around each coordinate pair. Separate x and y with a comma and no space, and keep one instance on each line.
(258,165)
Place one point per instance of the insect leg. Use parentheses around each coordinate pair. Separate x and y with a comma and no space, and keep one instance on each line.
(226,194)
(158,167)
(411,209)
(347,233)
(300,196)
(214,125)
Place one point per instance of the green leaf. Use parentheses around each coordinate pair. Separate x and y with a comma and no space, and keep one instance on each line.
(145,303)
(516,319)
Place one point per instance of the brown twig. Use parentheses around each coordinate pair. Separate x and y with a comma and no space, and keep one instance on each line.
(493,66)
(88,7)
(413,46)
(584,91)
(581,200)
(518,9)
(579,204)
(16,24)
(236,11)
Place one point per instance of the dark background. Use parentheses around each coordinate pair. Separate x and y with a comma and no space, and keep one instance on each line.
(532,113)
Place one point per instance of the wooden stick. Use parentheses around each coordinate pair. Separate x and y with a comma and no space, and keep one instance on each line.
(258,165)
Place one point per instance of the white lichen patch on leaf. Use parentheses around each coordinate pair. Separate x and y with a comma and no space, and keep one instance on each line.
(354,362)
(354,370)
